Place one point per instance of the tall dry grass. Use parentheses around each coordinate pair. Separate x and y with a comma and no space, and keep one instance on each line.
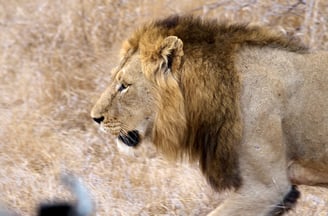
(55,58)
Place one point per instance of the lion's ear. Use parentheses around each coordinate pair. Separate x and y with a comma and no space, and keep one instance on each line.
(171,51)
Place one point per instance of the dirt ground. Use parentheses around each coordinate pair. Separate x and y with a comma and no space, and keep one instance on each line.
(55,59)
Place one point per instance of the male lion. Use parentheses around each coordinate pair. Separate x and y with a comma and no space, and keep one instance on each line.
(250,105)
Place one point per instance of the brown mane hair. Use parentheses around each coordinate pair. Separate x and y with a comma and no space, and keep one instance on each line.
(198,108)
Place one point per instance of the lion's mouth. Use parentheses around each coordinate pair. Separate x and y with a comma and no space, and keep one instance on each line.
(132,138)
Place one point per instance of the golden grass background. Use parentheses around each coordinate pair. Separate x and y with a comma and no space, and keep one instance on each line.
(55,59)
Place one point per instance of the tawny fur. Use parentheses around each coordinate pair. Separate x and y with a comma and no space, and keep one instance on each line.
(211,137)
(193,89)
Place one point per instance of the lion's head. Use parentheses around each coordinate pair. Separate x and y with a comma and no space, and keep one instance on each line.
(126,108)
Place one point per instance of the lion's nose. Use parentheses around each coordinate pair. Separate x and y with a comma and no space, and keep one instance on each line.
(99,120)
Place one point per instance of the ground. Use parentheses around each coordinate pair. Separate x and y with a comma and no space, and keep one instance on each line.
(55,59)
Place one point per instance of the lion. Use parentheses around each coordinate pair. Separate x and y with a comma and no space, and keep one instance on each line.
(245,102)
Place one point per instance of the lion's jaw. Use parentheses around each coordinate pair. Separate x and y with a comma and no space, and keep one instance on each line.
(126,143)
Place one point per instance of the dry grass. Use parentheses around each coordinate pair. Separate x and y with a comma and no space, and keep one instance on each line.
(55,58)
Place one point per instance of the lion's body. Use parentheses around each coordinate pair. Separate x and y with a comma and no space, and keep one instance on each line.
(294,87)
(284,101)
(250,105)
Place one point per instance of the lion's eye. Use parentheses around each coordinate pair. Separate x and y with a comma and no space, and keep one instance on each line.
(123,87)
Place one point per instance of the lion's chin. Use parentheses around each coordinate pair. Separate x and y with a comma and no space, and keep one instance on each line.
(131,139)
(124,149)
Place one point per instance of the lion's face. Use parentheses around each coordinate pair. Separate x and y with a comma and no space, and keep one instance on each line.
(143,100)
(126,107)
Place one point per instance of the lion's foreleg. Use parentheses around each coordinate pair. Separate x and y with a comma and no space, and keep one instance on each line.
(266,189)
(266,204)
